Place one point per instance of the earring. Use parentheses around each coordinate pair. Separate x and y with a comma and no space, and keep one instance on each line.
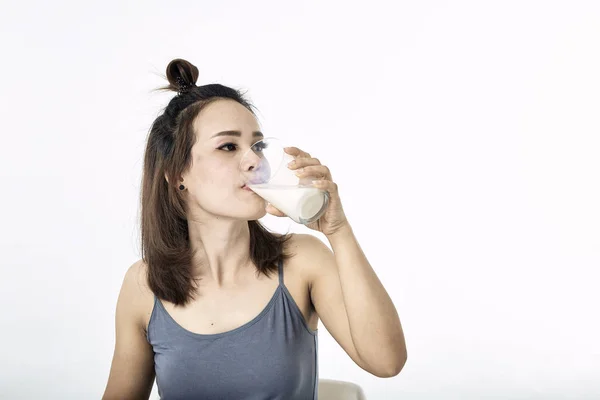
(181,187)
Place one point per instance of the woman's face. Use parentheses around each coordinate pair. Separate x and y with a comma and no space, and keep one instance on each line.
(225,130)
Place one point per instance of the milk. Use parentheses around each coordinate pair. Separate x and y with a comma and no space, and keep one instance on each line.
(303,204)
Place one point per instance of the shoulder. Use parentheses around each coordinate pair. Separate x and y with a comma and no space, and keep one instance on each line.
(136,296)
(306,245)
(311,255)
(136,279)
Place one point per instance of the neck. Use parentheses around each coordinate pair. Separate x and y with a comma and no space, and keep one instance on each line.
(221,250)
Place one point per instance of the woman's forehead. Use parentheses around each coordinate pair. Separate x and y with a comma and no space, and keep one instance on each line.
(223,116)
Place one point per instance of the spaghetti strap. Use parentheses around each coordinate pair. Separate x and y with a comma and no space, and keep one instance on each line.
(280,263)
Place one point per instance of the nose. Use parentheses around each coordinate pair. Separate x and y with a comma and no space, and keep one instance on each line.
(250,161)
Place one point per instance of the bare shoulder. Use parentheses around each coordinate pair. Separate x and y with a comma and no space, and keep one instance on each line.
(304,245)
(310,255)
(136,279)
(136,294)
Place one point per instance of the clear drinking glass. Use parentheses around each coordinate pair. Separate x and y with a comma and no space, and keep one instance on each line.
(264,170)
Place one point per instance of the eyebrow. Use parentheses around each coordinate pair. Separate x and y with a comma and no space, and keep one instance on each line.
(236,133)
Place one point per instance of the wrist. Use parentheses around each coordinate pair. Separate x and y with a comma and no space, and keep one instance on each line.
(343,230)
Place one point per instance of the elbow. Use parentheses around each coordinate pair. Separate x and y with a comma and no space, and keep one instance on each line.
(392,370)
(400,366)
(388,365)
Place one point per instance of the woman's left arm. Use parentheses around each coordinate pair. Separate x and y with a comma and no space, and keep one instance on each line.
(352,303)
(374,323)
(346,292)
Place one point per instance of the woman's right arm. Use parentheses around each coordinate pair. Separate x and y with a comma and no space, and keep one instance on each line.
(132,369)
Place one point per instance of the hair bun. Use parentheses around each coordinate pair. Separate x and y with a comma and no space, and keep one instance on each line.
(181,74)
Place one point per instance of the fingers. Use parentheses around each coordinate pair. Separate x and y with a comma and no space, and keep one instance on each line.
(303,162)
(318,171)
(304,165)
(328,185)
(296,152)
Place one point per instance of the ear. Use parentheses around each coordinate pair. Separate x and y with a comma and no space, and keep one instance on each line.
(167,178)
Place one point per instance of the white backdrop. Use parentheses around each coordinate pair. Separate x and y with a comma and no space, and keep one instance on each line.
(464,137)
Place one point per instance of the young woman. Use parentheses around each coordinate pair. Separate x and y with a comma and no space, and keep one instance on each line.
(219,307)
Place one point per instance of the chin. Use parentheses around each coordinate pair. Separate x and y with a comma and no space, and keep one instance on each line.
(253,213)
(256,216)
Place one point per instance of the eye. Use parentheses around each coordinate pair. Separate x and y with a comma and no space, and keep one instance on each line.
(228,145)
(260,146)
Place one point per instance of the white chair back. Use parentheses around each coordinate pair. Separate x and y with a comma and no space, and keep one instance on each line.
(330,389)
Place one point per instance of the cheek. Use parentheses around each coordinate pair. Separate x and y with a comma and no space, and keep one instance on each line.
(220,176)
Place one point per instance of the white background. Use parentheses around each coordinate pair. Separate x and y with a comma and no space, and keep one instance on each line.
(464,137)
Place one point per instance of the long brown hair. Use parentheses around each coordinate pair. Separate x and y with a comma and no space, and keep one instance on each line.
(164,231)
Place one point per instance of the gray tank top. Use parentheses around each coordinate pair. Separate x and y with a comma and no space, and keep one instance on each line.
(273,356)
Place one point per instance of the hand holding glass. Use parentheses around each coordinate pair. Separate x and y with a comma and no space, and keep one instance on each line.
(265,171)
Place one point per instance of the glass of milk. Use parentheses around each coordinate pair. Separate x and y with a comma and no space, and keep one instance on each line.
(264,170)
